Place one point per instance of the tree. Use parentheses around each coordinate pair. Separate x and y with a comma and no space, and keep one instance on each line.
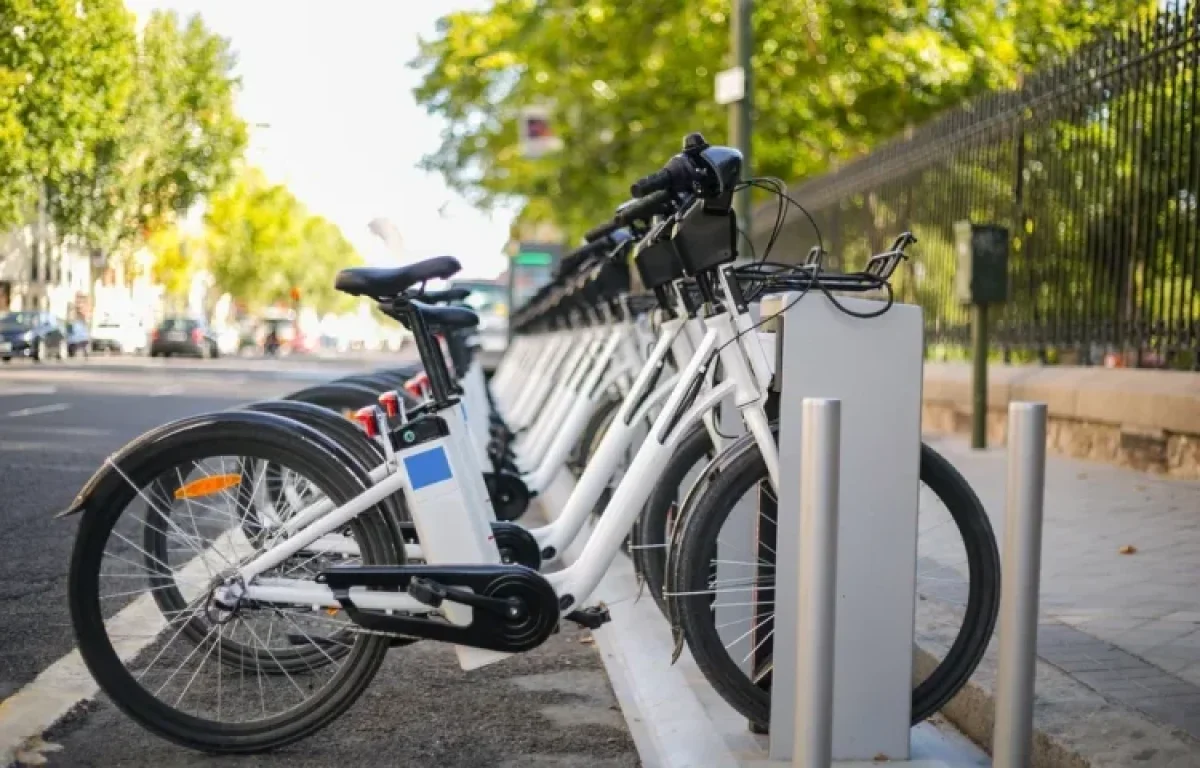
(262,243)
(66,76)
(181,137)
(177,258)
(628,80)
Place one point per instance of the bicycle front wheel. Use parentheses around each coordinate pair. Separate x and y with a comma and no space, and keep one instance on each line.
(725,607)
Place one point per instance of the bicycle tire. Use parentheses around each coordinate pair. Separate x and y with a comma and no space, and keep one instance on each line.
(744,469)
(339,397)
(170,599)
(593,433)
(652,533)
(263,437)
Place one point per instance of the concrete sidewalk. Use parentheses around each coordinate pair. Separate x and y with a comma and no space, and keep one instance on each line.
(1119,640)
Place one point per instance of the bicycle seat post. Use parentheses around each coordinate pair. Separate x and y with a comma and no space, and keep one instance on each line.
(431,355)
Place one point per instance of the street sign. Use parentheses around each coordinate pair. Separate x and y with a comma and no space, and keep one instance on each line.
(536,134)
(534,258)
(731,85)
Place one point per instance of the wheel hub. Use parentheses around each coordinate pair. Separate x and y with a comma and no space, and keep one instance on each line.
(225,600)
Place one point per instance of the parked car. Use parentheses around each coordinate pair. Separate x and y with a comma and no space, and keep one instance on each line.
(78,339)
(36,335)
(183,336)
(116,333)
(489,299)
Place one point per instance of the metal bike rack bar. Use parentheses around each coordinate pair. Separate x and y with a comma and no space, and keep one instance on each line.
(1012,735)
(817,583)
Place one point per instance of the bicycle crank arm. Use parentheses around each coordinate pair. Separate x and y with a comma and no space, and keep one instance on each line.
(514,609)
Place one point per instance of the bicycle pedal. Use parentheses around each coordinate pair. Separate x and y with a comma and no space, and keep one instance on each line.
(427,592)
(593,618)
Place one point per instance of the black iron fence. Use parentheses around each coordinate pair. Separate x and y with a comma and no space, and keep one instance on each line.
(1094,167)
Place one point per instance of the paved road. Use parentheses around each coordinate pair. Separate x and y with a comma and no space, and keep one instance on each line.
(58,422)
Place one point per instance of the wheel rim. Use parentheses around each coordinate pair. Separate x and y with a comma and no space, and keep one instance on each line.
(196,666)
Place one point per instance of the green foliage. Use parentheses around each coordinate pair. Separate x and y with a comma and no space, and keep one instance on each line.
(261,243)
(181,137)
(124,133)
(66,75)
(628,80)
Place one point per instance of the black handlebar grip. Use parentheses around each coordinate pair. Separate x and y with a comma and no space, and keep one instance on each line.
(581,254)
(644,208)
(605,229)
(659,180)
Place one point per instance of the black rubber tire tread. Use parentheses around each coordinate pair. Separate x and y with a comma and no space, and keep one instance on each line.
(744,470)
(650,535)
(377,384)
(593,433)
(392,509)
(226,434)
(347,434)
(337,397)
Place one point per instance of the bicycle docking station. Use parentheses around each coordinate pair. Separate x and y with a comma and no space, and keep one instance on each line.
(844,549)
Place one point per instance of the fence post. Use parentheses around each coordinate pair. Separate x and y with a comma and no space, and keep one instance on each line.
(812,745)
(1012,735)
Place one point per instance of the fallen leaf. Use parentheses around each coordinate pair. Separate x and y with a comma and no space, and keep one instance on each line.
(587,640)
(882,758)
(1128,549)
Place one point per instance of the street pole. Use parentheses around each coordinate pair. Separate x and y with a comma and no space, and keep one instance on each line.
(979,366)
(741,40)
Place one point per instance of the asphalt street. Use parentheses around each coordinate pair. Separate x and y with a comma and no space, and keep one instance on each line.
(58,422)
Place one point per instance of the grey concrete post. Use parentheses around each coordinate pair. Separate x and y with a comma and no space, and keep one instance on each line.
(1012,736)
(817,583)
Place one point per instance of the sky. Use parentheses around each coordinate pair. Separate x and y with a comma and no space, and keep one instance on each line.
(328,93)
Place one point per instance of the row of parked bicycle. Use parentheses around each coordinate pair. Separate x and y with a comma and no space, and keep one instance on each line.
(282,549)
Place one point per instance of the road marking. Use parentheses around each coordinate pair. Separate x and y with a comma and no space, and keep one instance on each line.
(64,684)
(38,409)
(16,391)
(82,469)
(21,446)
(66,431)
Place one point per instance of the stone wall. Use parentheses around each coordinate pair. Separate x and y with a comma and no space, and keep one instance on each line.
(1143,419)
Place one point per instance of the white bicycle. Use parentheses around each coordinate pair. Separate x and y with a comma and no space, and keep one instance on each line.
(211,672)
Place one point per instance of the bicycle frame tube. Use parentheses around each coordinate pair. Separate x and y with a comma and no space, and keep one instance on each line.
(579,411)
(557,399)
(580,579)
(536,451)
(603,463)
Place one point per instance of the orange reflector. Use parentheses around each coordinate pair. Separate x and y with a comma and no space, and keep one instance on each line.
(332,611)
(207,486)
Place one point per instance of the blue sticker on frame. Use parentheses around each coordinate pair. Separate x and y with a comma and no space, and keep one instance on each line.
(427,468)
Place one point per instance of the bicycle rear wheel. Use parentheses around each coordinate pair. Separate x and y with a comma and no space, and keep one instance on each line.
(243,686)
(727,614)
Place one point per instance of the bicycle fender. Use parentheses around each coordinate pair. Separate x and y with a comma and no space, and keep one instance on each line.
(162,437)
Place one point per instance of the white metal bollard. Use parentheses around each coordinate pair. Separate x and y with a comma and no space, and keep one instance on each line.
(1012,736)
(817,587)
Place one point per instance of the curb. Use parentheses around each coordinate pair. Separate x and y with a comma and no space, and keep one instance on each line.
(1074,726)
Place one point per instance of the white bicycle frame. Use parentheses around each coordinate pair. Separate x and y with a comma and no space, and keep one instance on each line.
(453,531)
